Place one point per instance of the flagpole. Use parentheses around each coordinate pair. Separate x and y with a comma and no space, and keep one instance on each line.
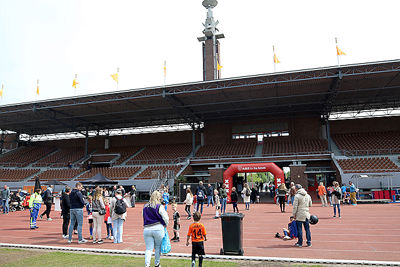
(2,91)
(76,77)
(337,54)
(118,78)
(273,50)
(165,72)
(37,90)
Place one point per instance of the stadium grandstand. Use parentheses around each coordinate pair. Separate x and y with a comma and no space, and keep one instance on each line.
(324,124)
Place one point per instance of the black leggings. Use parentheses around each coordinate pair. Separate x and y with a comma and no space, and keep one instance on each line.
(282,203)
(187,209)
(200,259)
(47,211)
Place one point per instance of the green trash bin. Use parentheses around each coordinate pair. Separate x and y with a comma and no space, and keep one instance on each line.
(232,233)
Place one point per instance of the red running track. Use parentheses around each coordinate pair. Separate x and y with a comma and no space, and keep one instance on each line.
(365,232)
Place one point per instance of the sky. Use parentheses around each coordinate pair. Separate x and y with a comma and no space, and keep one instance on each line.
(54,40)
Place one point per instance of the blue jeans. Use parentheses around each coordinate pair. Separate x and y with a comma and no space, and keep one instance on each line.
(76,216)
(247,205)
(300,232)
(118,229)
(152,239)
(334,209)
(223,205)
(210,199)
(6,207)
(290,199)
(200,202)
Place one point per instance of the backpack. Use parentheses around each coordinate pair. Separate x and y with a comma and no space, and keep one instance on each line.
(200,194)
(248,193)
(120,206)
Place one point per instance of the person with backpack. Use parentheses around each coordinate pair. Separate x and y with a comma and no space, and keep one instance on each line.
(200,196)
(246,192)
(118,207)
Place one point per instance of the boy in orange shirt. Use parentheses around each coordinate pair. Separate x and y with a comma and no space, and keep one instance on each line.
(197,232)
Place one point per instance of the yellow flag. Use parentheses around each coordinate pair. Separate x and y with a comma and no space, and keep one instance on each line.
(276,60)
(115,77)
(339,52)
(37,87)
(75,81)
(219,67)
(1,92)
(165,68)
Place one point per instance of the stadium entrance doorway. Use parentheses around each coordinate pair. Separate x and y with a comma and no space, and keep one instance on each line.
(252,167)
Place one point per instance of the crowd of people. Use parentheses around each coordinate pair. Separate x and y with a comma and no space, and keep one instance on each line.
(109,206)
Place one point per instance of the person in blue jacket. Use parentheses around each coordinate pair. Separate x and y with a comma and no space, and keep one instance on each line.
(165,197)
(35,202)
(291,232)
(353,193)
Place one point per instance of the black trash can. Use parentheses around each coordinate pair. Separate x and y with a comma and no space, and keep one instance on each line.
(232,233)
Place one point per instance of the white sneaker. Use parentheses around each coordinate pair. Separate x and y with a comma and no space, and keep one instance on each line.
(112,238)
(286,237)
(69,241)
(65,236)
(49,219)
(83,241)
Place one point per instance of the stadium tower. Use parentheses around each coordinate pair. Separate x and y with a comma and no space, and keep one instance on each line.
(210,44)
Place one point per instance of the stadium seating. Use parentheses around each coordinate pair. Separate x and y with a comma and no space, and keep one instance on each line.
(125,152)
(372,143)
(12,175)
(62,157)
(59,174)
(25,155)
(234,149)
(161,152)
(153,172)
(114,173)
(373,164)
(277,146)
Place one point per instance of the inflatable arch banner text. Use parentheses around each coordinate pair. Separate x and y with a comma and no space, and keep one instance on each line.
(252,167)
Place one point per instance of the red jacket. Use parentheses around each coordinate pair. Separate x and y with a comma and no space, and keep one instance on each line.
(107,213)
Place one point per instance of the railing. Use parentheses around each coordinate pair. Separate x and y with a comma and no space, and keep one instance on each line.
(156,161)
(272,155)
(318,169)
(11,164)
(352,153)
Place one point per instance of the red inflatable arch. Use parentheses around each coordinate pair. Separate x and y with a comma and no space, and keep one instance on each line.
(252,167)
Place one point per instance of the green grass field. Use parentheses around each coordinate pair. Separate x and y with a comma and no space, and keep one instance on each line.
(33,258)
(41,258)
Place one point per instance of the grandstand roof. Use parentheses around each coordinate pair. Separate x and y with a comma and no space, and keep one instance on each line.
(317,91)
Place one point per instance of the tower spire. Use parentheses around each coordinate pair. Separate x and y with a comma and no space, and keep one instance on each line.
(210,43)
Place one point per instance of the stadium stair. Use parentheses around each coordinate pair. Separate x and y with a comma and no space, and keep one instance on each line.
(259,150)
(335,148)
(395,159)
(34,175)
(33,163)
(77,176)
(131,157)
(138,172)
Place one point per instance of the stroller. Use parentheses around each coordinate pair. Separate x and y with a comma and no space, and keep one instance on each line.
(16,203)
